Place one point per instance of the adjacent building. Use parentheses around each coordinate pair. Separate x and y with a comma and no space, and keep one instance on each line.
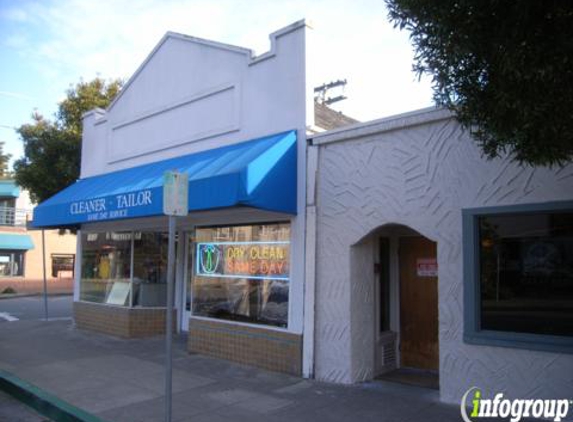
(21,265)
(317,245)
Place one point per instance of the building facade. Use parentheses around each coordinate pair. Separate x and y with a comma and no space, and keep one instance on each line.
(340,255)
(235,123)
(21,264)
(429,256)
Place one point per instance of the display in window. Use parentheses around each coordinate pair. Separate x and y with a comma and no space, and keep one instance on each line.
(241,273)
(108,276)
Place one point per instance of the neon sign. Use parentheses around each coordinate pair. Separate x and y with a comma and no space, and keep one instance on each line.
(252,260)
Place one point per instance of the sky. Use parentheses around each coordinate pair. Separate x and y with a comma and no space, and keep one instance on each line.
(48,46)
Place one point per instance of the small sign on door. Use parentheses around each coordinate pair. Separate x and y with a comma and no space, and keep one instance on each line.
(426,267)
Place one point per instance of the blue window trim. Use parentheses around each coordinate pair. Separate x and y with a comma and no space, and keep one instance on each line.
(473,334)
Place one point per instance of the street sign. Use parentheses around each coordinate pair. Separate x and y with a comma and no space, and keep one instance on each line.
(175,193)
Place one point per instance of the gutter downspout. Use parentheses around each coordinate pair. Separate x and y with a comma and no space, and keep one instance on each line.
(310,263)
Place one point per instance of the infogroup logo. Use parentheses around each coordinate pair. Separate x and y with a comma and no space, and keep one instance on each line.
(498,407)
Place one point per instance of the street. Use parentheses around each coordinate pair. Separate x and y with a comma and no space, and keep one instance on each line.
(32,307)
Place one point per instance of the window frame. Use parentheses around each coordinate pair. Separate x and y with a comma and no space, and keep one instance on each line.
(473,334)
(13,253)
(132,232)
(191,274)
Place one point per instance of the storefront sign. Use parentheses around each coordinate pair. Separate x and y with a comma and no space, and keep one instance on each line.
(253,260)
(112,207)
(426,267)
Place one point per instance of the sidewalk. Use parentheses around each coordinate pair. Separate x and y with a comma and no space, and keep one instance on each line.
(123,380)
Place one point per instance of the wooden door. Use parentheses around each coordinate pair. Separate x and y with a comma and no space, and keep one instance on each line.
(418,303)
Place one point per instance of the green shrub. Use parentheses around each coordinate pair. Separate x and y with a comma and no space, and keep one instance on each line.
(8,290)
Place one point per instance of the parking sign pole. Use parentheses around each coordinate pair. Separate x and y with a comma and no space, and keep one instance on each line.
(169,318)
(44,273)
(175,203)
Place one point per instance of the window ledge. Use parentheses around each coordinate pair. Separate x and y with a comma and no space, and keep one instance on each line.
(545,343)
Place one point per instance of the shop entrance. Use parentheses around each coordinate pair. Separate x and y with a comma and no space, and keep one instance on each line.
(406,307)
(419,347)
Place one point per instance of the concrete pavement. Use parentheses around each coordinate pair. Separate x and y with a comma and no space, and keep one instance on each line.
(32,307)
(123,380)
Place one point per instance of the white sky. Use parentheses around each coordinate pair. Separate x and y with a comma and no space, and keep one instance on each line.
(46,46)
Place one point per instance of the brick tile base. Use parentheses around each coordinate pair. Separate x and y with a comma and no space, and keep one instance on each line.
(268,349)
(119,321)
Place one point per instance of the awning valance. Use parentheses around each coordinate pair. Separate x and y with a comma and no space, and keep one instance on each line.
(20,242)
(8,188)
(260,173)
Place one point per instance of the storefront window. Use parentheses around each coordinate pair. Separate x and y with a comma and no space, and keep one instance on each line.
(11,263)
(108,277)
(526,273)
(242,273)
(106,267)
(150,269)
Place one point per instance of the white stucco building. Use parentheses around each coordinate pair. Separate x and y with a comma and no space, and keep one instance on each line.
(386,198)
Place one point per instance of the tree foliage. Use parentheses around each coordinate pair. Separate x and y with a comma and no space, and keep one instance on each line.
(4,161)
(52,149)
(503,67)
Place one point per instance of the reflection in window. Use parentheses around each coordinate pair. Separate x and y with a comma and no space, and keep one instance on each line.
(242,273)
(150,269)
(106,267)
(526,273)
(11,263)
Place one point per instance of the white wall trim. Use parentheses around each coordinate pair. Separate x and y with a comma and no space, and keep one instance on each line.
(387,124)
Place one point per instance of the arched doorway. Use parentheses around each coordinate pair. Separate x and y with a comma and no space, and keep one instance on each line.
(406,306)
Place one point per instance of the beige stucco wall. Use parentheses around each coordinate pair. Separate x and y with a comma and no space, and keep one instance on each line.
(55,244)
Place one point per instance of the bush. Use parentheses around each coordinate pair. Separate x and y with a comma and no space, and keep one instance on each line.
(8,290)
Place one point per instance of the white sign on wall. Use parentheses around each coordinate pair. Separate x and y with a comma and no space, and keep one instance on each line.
(426,267)
(175,193)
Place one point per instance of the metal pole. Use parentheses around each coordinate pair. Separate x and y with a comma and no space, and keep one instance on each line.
(169,318)
(45,281)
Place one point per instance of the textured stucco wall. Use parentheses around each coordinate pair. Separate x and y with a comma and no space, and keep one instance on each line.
(420,175)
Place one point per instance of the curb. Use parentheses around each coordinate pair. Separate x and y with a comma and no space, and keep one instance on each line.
(43,402)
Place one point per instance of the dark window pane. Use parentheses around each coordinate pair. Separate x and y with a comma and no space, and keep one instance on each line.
(150,269)
(384,274)
(526,273)
(241,273)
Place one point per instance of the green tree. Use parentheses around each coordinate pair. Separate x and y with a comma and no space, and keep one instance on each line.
(504,68)
(4,160)
(52,149)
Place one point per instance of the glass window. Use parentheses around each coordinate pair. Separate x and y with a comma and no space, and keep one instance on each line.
(241,273)
(106,267)
(526,273)
(106,275)
(62,263)
(7,211)
(150,269)
(11,263)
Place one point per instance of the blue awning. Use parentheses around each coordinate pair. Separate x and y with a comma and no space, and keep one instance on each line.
(260,173)
(8,188)
(20,242)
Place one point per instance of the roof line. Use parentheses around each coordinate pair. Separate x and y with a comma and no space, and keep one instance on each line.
(386,124)
(214,44)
